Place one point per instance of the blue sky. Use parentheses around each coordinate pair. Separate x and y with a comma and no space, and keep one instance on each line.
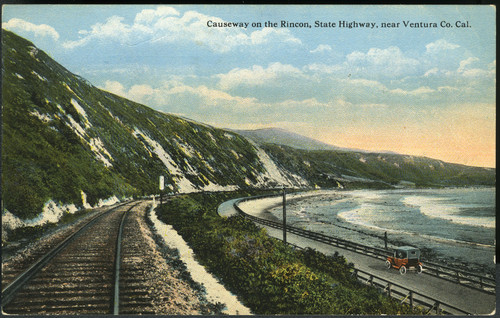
(422,91)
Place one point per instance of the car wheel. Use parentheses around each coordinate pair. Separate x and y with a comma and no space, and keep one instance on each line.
(388,264)
(419,269)
(402,270)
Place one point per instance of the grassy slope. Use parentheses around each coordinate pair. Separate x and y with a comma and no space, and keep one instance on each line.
(268,276)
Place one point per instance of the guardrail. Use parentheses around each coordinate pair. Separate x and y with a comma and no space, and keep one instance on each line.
(476,281)
(404,294)
(407,295)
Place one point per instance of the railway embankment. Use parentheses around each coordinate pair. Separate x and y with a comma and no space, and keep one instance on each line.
(80,277)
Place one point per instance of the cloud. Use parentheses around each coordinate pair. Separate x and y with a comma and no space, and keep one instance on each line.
(321,48)
(267,35)
(113,29)
(115,88)
(432,71)
(376,106)
(447,89)
(307,104)
(325,68)
(139,92)
(378,56)
(212,97)
(166,25)
(148,15)
(366,82)
(439,46)
(177,92)
(41,30)
(466,70)
(257,75)
(390,61)
(418,91)
(464,64)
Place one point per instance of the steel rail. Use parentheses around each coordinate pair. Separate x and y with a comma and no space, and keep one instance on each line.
(9,291)
(480,280)
(116,294)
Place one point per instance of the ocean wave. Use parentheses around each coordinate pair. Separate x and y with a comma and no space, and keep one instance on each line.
(358,216)
(436,208)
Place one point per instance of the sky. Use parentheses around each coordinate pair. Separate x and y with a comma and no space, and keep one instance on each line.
(419,80)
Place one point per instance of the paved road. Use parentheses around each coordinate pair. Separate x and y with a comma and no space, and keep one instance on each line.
(460,296)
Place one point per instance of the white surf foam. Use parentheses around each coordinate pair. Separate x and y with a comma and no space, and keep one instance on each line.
(437,208)
(365,212)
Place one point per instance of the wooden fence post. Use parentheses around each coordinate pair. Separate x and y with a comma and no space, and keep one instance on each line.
(284,214)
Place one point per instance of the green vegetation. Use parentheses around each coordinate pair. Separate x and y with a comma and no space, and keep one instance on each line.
(268,276)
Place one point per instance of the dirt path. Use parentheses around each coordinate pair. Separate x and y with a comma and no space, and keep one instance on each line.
(216,293)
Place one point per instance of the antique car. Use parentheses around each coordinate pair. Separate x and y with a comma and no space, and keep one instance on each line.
(405,258)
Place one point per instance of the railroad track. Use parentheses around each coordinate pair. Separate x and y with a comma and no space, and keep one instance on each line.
(97,269)
(15,266)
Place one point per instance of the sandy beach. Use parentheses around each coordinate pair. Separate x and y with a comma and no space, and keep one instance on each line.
(263,208)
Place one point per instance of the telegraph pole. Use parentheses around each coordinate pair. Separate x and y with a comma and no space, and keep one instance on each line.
(284,214)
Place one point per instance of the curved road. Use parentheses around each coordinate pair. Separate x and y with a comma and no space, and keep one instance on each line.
(460,296)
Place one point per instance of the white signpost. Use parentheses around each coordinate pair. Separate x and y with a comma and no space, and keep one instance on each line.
(162,183)
(162,187)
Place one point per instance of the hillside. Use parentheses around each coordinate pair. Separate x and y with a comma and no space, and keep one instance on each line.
(68,143)
(66,140)
(376,170)
(283,137)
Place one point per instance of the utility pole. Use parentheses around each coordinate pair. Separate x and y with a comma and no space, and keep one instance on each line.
(284,214)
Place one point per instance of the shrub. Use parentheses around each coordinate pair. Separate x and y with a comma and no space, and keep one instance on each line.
(269,276)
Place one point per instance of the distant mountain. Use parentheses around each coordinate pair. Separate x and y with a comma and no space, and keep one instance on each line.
(286,138)
(68,143)
(283,137)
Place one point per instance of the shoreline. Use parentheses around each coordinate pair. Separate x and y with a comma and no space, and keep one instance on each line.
(265,205)
(432,248)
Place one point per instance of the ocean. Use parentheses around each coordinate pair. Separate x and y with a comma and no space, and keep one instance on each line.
(455,225)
